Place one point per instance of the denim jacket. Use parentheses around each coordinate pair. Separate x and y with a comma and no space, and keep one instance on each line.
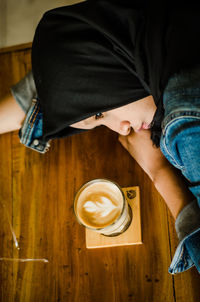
(31,132)
(180,143)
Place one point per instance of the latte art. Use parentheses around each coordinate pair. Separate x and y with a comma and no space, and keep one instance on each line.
(102,207)
(99,204)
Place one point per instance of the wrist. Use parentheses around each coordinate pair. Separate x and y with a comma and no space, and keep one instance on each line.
(172,187)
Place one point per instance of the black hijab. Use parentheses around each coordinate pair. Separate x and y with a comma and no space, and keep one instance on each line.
(83,62)
(98,55)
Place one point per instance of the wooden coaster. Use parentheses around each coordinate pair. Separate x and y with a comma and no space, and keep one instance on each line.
(133,235)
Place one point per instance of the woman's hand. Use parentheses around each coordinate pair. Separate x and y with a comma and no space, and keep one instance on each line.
(140,147)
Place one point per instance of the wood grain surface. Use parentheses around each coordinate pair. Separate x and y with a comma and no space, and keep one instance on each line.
(37,191)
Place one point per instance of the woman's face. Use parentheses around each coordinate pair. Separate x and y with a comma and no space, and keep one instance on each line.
(137,116)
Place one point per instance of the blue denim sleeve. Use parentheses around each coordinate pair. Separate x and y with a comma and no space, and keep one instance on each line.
(31,132)
(188,230)
(180,143)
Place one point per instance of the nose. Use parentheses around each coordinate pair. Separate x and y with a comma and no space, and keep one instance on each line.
(125,128)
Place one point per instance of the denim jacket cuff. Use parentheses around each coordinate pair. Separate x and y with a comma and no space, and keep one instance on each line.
(31,133)
(188,220)
(187,227)
(187,254)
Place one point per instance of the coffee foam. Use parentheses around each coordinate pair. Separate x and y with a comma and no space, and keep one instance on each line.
(103,207)
(99,204)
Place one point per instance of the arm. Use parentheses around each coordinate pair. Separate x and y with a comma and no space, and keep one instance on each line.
(15,104)
(168,180)
(180,201)
(11,114)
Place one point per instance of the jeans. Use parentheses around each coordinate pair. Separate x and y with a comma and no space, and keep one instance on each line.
(180,144)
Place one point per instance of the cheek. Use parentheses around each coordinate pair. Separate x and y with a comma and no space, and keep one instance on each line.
(114,126)
(76,125)
(111,123)
(81,126)
(85,124)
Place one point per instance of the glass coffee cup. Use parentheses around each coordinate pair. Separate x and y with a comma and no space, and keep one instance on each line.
(100,205)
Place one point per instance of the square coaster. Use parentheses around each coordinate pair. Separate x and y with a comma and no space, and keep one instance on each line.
(133,235)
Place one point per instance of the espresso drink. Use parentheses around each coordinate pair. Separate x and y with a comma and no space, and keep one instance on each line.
(100,205)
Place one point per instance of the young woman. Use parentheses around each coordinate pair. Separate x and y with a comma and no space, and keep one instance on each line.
(134,70)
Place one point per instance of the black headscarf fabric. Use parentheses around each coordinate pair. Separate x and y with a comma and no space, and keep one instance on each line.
(98,55)
(83,62)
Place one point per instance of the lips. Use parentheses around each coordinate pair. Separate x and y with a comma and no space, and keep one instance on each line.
(144,126)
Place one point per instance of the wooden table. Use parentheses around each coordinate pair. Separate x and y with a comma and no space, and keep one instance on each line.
(37,192)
